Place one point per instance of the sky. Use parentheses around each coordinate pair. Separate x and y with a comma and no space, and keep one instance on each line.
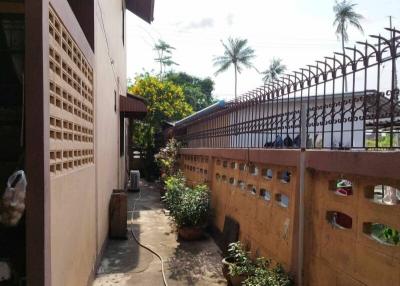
(297,31)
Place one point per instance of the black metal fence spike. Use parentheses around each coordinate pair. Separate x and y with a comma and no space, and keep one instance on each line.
(350,109)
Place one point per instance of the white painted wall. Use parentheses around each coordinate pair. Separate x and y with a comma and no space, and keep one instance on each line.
(283,126)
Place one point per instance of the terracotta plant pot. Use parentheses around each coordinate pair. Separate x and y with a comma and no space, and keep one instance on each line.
(237,280)
(232,280)
(190,233)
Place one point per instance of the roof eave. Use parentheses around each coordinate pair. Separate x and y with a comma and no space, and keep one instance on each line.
(144,9)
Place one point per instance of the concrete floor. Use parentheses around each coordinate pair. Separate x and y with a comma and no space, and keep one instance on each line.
(186,263)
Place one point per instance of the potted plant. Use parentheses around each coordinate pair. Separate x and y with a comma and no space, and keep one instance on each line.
(266,275)
(175,186)
(239,269)
(237,266)
(189,208)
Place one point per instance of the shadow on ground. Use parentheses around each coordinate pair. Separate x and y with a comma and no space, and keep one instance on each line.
(124,256)
(124,263)
(192,262)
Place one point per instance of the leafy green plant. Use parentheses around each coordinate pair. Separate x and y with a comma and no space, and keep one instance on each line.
(175,186)
(385,233)
(188,206)
(166,158)
(197,91)
(165,102)
(266,275)
(258,273)
(239,257)
(192,207)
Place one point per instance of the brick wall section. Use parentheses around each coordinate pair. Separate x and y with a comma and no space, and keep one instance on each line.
(269,224)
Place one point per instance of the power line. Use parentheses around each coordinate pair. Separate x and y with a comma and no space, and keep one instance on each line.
(101,20)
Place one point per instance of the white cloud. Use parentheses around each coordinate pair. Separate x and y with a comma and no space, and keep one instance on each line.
(203,23)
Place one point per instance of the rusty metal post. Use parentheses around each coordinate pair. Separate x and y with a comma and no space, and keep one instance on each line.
(302,173)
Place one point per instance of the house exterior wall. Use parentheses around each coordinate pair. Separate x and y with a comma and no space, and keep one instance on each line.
(110,83)
(38,248)
(83,120)
(71,152)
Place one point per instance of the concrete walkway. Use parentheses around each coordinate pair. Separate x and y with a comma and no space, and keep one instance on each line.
(186,263)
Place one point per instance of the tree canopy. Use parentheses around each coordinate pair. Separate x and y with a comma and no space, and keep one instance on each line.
(345,15)
(165,100)
(164,55)
(275,69)
(197,91)
(236,53)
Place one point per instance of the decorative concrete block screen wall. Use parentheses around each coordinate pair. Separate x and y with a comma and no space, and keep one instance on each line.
(343,250)
(71,101)
(72,169)
(346,196)
(259,196)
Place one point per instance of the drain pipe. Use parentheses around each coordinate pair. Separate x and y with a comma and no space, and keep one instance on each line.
(303,146)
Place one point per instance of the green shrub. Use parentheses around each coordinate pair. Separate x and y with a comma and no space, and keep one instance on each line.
(241,263)
(266,275)
(259,273)
(192,208)
(175,186)
(188,206)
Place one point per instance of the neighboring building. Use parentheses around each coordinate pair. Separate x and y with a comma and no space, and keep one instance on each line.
(65,116)
(268,124)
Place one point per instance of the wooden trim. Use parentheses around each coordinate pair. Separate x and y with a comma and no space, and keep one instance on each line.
(84,13)
(66,14)
(142,8)
(12,8)
(37,143)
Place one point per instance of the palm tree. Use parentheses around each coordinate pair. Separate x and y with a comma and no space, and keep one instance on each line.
(275,69)
(236,53)
(345,16)
(164,53)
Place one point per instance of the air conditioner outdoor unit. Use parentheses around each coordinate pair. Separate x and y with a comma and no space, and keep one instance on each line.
(134,178)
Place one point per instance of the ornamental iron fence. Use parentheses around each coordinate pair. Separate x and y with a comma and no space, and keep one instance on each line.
(349,100)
